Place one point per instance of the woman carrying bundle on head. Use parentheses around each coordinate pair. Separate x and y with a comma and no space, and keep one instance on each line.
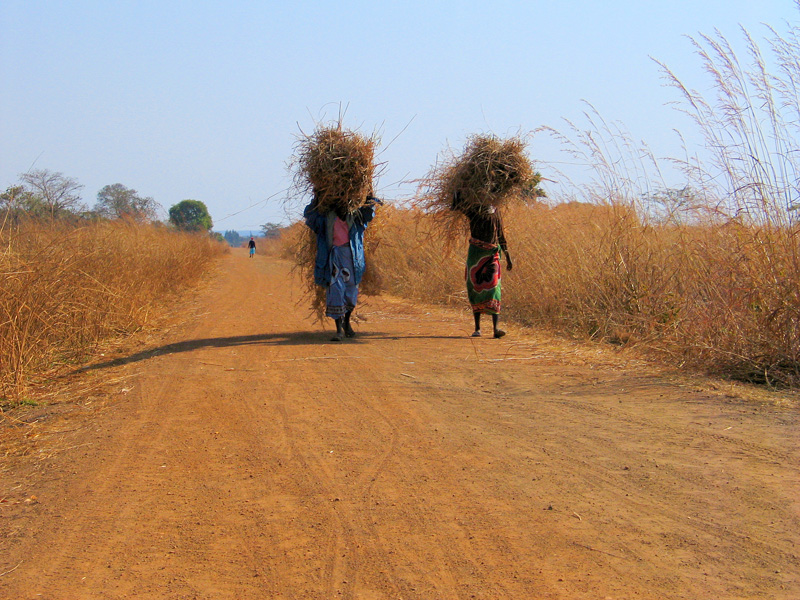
(337,167)
(339,264)
(486,243)
(489,174)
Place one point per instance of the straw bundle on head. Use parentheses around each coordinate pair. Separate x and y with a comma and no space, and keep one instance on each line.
(336,166)
(489,173)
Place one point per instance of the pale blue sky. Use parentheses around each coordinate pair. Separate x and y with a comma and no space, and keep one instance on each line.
(204,100)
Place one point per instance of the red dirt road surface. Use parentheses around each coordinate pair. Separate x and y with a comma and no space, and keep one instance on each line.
(241,455)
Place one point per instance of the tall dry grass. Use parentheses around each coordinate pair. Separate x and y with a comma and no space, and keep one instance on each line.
(717,297)
(63,288)
(271,246)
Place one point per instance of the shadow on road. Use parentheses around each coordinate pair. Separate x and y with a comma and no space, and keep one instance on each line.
(290,339)
(295,338)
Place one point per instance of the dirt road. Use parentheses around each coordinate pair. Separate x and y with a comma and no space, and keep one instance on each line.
(242,455)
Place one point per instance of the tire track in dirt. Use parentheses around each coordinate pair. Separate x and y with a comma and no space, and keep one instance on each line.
(136,440)
(593,476)
(336,572)
(678,473)
(348,492)
(139,465)
(355,485)
(442,552)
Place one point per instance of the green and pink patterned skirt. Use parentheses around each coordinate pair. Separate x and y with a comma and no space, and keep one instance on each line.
(483,277)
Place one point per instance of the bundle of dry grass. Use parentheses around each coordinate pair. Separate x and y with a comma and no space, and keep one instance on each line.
(335,166)
(491,172)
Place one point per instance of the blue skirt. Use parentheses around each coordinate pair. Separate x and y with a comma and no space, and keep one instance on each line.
(342,294)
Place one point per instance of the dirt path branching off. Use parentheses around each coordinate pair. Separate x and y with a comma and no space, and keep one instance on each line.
(245,456)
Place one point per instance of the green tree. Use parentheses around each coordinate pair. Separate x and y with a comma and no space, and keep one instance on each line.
(119,202)
(190,215)
(15,205)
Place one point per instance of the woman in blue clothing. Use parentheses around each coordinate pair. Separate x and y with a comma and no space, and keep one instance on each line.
(339,264)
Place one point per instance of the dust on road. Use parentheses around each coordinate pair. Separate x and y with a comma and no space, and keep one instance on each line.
(245,456)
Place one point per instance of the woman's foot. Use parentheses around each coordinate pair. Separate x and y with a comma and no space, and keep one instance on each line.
(498,333)
(337,337)
(348,329)
(476,333)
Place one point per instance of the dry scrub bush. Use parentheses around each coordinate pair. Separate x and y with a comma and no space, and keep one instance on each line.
(299,245)
(63,289)
(722,297)
(742,315)
(408,259)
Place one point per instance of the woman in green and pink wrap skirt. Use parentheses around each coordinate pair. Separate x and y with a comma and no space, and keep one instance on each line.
(487,243)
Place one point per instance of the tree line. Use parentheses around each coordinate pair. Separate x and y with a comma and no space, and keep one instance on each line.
(46,195)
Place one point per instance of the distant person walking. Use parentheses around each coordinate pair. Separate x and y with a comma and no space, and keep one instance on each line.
(252,245)
(339,264)
(487,242)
